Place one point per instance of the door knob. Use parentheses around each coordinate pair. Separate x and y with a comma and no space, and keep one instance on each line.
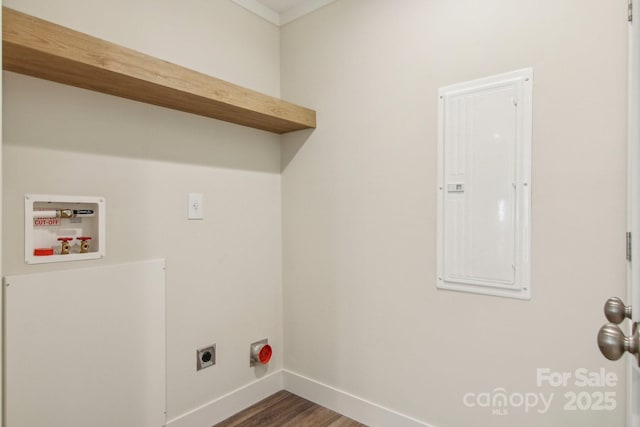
(615,311)
(613,343)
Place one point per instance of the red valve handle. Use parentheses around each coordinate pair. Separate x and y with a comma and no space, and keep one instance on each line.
(65,239)
(83,238)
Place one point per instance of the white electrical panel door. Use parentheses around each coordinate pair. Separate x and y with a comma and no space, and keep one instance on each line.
(484,163)
(86,347)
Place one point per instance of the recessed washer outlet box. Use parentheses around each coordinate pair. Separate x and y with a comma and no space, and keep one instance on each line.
(63,228)
(206,357)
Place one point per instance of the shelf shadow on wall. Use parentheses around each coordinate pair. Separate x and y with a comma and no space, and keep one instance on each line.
(42,114)
(291,144)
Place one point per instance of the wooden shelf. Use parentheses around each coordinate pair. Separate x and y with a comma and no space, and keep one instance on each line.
(48,51)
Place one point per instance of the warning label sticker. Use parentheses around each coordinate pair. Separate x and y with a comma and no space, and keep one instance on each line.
(46,222)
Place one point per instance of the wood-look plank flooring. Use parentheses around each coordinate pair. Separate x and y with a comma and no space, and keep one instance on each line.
(285,409)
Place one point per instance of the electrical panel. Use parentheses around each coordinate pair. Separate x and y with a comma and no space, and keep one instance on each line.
(484,185)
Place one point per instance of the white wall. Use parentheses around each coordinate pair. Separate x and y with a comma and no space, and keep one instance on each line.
(223,273)
(357,212)
(361,308)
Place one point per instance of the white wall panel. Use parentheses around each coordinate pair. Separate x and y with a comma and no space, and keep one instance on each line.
(95,353)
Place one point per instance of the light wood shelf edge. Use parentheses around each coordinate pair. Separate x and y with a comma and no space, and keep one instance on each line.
(42,49)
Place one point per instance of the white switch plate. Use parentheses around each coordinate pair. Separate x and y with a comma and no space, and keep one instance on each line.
(196,206)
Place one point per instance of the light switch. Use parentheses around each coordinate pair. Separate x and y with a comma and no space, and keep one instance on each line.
(196,206)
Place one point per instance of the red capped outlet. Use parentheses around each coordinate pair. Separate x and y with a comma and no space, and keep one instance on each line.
(265,354)
(260,353)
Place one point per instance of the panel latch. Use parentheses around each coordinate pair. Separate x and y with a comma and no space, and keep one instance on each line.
(455,188)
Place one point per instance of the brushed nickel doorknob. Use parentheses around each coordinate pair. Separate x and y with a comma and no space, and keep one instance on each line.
(613,343)
(615,311)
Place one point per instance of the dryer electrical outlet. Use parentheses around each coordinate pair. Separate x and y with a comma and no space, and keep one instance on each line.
(206,357)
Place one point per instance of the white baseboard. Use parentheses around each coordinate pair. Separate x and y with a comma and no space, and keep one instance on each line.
(359,409)
(231,403)
(346,404)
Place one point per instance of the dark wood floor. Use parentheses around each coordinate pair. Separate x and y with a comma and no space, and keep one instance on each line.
(285,409)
